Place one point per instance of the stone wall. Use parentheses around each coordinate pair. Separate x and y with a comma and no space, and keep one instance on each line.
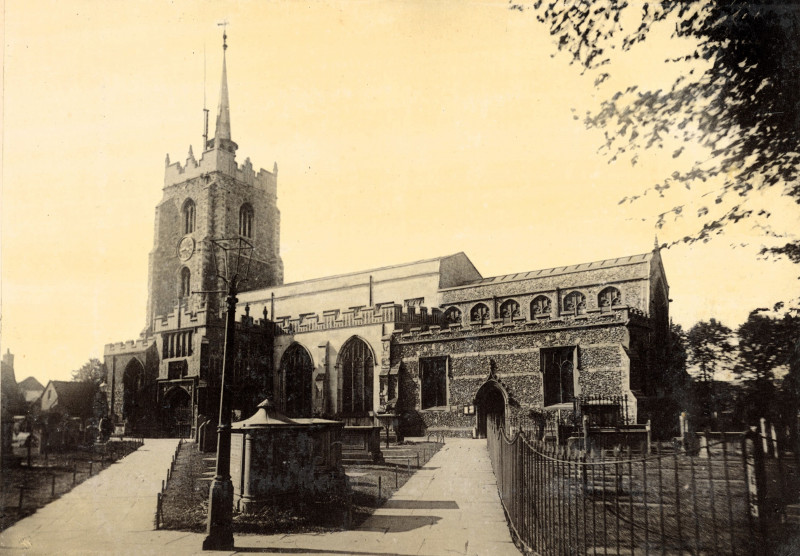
(512,353)
(217,198)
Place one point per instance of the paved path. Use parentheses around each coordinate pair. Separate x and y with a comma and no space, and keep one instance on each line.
(93,517)
(450,506)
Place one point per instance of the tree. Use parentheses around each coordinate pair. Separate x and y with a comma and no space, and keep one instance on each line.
(675,384)
(709,347)
(741,101)
(92,371)
(766,348)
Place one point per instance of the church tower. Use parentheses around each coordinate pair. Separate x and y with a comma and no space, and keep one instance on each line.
(206,199)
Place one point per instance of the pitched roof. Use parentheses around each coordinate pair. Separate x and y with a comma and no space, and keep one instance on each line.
(560,270)
(31,383)
(74,398)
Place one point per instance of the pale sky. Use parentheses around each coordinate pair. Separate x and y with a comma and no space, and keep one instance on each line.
(402,131)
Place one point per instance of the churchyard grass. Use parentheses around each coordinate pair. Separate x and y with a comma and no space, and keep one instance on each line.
(185,502)
(26,488)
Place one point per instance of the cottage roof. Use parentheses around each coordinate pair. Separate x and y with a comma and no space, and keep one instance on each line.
(73,398)
(31,384)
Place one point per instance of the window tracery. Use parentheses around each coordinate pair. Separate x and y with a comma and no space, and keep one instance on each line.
(452,315)
(609,297)
(479,313)
(575,302)
(540,305)
(246,220)
(188,216)
(509,309)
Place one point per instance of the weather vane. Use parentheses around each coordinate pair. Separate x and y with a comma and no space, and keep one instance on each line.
(224,25)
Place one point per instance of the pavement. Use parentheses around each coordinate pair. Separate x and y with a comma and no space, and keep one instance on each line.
(450,506)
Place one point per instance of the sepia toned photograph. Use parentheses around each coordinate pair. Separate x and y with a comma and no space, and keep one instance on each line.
(382,278)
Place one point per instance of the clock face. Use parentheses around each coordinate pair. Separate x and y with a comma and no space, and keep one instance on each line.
(186,249)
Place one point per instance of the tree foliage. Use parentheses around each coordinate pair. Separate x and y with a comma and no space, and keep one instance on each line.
(766,348)
(742,103)
(709,347)
(765,345)
(92,371)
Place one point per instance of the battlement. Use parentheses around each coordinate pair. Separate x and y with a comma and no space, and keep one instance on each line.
(620,316)
(131,346)
(184,315)
(383,313)
(218,160)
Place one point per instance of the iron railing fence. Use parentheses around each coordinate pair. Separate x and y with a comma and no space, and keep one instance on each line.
(558,425)
(602,411)
(726,498)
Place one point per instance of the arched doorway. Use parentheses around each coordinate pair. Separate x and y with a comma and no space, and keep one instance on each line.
(133,399)
(490,404)
(296,370)
(356,369)
(177,413)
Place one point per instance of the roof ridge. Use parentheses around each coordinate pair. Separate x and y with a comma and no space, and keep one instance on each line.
(617,261)
(355,273)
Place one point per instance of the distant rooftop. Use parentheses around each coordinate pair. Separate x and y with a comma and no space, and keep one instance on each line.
(31,384)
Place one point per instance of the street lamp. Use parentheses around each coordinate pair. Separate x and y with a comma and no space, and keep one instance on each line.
(231,259)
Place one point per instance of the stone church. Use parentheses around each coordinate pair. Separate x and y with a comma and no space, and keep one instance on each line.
(427,345)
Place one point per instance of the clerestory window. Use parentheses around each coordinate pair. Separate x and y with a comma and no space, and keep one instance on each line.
(479,313)
(540,305)
(609,297)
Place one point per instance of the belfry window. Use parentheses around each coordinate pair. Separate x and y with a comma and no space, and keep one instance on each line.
(246,220)
(188,216)
(433,379)
(558,376)
(186,282)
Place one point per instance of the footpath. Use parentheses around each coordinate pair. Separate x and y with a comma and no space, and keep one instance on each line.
(450,506)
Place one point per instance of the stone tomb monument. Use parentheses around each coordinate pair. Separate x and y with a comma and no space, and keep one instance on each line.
(279,460)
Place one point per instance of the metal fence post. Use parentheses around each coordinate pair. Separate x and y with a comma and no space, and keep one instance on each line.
(754,467)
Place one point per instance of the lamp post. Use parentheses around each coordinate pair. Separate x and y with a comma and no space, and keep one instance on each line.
(232,262)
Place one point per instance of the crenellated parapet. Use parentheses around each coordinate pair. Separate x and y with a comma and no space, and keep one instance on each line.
(217,160)
(131,346)
(383,313)
(618,316)
(184,315)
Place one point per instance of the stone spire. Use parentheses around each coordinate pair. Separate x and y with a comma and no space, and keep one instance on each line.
(223,130)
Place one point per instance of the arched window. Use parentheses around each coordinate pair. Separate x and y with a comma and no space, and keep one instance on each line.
(356,366)
(479,313)
(296,370)
(452,315)
(133,403)
(188,216)
(575,302)
(509,310)
(558,366)
(609,297)
(540,305)
(186,282)
(246,220)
